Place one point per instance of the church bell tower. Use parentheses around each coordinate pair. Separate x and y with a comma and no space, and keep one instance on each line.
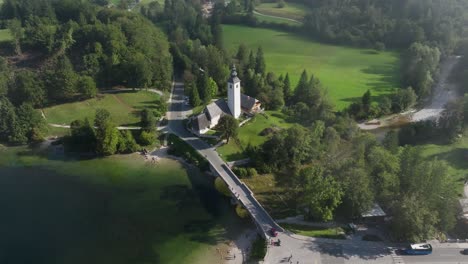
(234,93)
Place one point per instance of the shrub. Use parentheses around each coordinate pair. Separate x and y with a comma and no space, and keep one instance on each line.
(147,138)
(241,212)
(221,187)
(259,249)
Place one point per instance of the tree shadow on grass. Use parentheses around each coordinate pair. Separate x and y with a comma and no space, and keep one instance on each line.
(387,75)
(457,158)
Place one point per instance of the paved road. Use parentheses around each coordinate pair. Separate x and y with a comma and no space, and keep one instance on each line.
(303,249)
(443,92)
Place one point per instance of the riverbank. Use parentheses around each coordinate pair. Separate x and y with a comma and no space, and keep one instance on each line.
(444,91)
(118,209)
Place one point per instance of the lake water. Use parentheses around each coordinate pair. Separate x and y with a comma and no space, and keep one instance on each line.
(113,210)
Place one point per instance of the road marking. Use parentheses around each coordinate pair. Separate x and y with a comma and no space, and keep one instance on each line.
(396,258)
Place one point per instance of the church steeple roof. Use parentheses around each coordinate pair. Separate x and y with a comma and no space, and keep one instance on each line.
(233,78)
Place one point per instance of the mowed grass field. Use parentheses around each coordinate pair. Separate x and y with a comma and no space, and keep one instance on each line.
(5,34)
(118,209)
(346,72)
(278,20)
(290,10)
(250,134)
(124,107)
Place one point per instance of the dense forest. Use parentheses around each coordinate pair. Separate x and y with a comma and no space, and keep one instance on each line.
(65,51)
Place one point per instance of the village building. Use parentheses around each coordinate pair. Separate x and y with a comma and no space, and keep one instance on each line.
(236,105)
(375,215)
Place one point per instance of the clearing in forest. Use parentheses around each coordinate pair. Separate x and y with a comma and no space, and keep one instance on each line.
(124,108)
(346,72)
(294,11)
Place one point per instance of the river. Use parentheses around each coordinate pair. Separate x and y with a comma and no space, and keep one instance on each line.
(444,91)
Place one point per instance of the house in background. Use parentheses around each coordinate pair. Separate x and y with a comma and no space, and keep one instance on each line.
(236,104)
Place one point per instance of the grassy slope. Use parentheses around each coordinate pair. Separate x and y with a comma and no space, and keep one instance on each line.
(346,72)
(335,233)
(124,108)
(5,35)
(291,10)
(114,210)
(250,133)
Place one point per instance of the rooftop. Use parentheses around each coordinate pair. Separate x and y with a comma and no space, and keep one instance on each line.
(375,211)
(201,122)
(217,108)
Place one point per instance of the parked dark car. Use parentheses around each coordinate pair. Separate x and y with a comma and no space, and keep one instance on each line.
(465,251)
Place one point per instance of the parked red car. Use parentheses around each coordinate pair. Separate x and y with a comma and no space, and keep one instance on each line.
(273,232)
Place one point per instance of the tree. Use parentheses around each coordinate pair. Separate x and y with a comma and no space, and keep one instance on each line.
(8,120)
(60,79)
(107,135)
(366,101)
(260,66)
(391,141)
(276,99)
(242,54)
(212,87)
(228,126)
(413,220)
(87,87)
(27,88)
(30,125)
(358,195)
(322,194)
(403,99)
(16,31)
(287,88)
(301,87)
(147,120)
(451,123)
(127,143)
(194,96)
(83,135)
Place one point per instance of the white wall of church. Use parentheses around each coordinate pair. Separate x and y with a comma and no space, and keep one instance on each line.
(234,98)
(214,121)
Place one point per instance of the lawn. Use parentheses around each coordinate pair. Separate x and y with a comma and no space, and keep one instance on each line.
(346,72)
(124,108)
(117,210)
(250,134)
(5,35)
(291,10)
(269,19)
(312,231)
(456,155)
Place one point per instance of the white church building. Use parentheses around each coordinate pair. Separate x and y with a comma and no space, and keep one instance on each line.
(237,104)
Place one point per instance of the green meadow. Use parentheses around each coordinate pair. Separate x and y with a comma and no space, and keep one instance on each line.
(346,72)
(250,133)
(278,20)
(5,34)
(119,210)
(290,10)
(124,108)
